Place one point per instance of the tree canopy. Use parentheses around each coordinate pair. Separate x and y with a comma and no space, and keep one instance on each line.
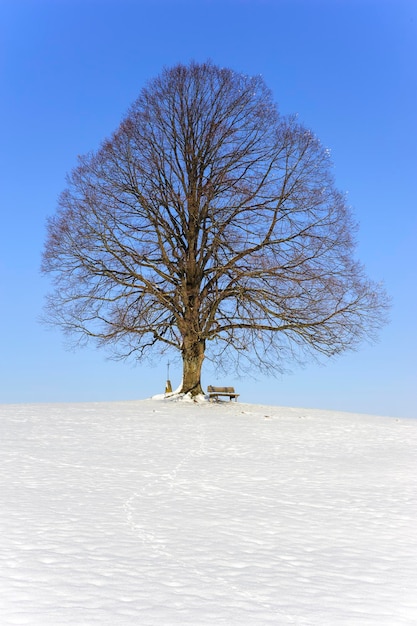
(209,224)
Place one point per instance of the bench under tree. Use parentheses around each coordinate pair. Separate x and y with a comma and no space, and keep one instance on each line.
(216,392)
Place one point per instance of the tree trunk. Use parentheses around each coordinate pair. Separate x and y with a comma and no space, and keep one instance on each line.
(192,360)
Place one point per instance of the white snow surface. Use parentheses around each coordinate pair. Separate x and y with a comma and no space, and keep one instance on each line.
(162,512)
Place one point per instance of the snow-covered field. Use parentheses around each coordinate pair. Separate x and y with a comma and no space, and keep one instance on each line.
(158,512)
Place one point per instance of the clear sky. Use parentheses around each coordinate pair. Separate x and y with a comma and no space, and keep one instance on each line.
(69,71)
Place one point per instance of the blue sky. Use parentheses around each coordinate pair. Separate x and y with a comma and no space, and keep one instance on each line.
(69,71)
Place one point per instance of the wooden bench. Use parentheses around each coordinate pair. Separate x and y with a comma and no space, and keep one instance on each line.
(215,392)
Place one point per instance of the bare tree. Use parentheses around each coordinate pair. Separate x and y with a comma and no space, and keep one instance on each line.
(210,225)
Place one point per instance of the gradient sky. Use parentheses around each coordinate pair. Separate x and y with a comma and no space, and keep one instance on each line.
(69,71)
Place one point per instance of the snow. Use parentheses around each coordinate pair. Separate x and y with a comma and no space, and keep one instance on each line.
(160,512)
